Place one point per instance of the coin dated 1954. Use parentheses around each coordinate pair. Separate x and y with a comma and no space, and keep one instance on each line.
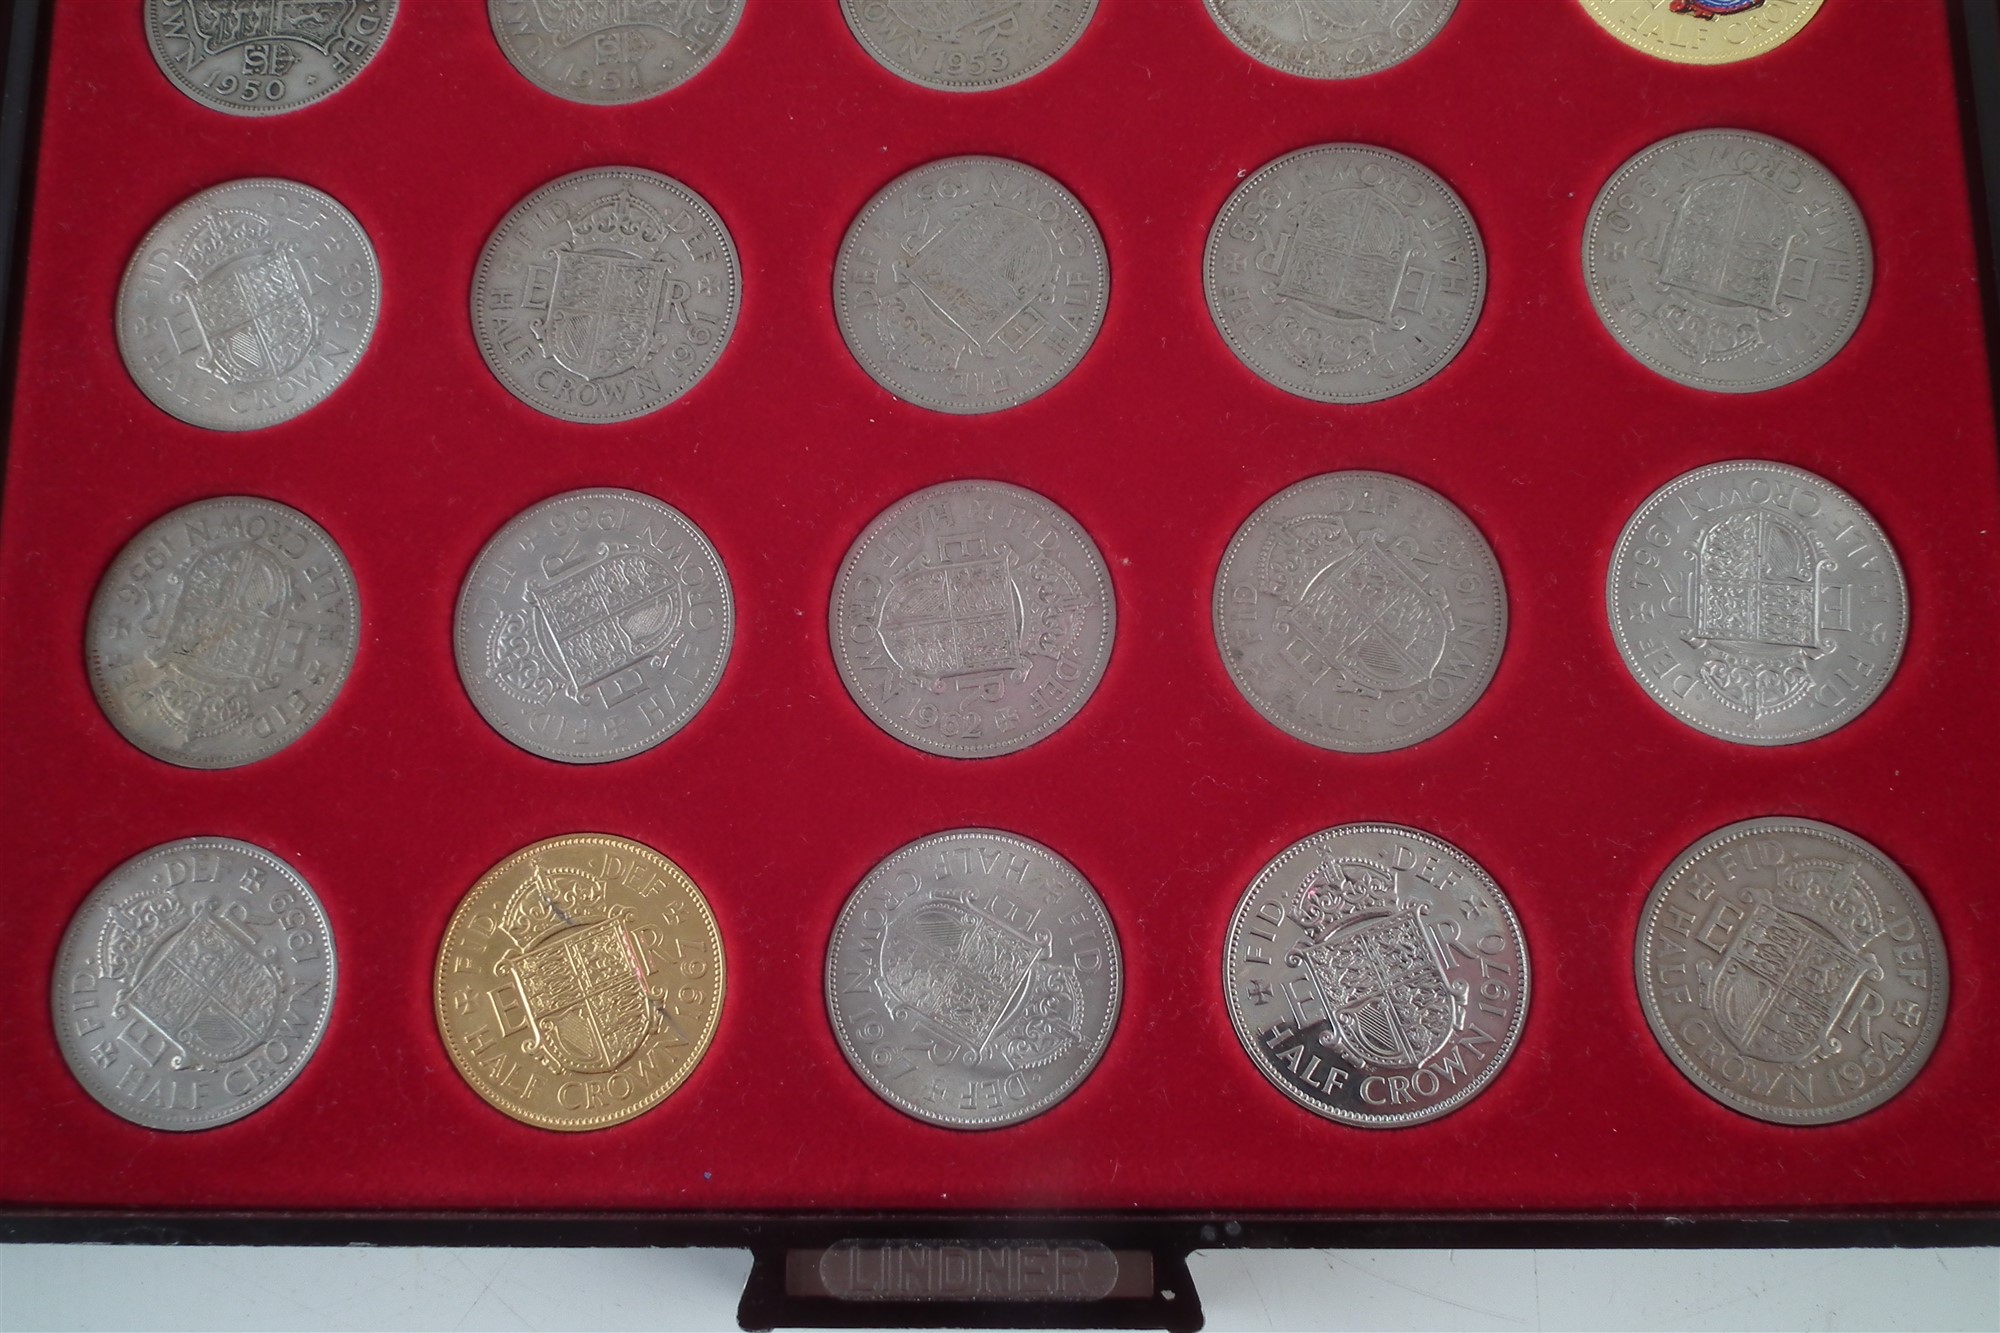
(965,46)
(973,979)
(1792,971)
(261,57)
(1376,975)
(609,55)
(1360,611)
(1344,273)
(1331,39)
(1703,32)
(1757,602)
(193,984)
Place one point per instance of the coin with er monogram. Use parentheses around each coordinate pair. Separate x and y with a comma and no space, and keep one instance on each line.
(193,984)
(1330,39)
(262,57)
(608,55)
(966,46)
(1702,32)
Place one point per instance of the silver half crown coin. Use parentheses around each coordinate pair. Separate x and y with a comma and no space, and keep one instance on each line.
(966,46)
(264,57)
(610,55)
(1330,39)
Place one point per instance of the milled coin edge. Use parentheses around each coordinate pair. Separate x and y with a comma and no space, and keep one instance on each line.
(978,86)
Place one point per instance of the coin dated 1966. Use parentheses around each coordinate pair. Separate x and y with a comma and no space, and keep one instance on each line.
(1757,602)
(1344,273)
(1360,611)
(609,55)
(1792,971)
(1702,32)
(193,983)
(261,57)
(973,979)
(965,46)
(970,285)
(1376,975)
(1330,39)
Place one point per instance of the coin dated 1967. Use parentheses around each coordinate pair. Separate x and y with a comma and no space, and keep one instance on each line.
(1331,39)
(261,57)
(1792,971)
(1702,32)
(608,55)
(965,46)
(193,984)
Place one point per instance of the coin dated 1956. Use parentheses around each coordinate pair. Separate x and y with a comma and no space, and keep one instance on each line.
(609,55)
(1702,32)
(193,983)
(965,46)
(973,979)
(1792,971)
(261,57)
(1331,39)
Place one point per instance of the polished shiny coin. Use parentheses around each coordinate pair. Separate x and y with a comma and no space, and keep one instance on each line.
(972,619)
(973,979)
(1344,273)
(248,304)
(222,632)
(579,982)
(608,55)
(1703,32)
(193,984)
(261,57)
(593,626)
(606,295)
(966,46)
(970,285)
(1757,602)
(1360,611)
(1792,971)
(1727,261)
(1331,39)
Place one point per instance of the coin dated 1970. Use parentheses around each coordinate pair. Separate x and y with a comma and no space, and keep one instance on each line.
(261,57)
(193,984)
(609,55)
(1703,32)
(964,46)
(1330,39)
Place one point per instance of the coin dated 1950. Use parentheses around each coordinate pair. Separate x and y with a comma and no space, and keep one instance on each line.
(193,983)
(1703,32)
(261,57)
(1331,39)
(608,55)
(965,46)
(248,304)
(1792,971)
(1376,975)
(973,979)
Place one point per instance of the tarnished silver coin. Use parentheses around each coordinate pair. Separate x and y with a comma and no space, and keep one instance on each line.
(222,632)
(193,984)
(248,304)
(593,625)
(1344,273)
(1330,39)
(1727,260)
(610,54)
(261,57)
(972,619)
(970,285)
(1792,971)
(966,46)
(1360,611)
(973,979)
(606,294)
(1757,602)
(1376,975)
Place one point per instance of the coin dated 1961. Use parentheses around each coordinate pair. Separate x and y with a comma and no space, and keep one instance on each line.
(261,57)
(1359,611)
(1331,39)
(608,55)
(965,46)
(1757,602)
(1703,32)
(1376,975)
(973,979)
(193,983)
(1792,971)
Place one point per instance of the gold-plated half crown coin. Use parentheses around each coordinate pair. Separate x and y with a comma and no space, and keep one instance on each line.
(1703,32)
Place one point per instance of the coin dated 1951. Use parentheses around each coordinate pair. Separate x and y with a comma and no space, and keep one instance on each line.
(1757,602)
(261,57)
(1331,39)
(1376,975)
(1703,32)
(193,984)
(1792,971)
(973,979)
(609,55)
(966,46)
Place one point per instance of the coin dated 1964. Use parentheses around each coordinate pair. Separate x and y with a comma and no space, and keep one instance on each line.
(1359,611)
(973,979)
(1757,602)
(971,285)
(609,55)
(1331,39)
(1376,975)
(261,57)
(193,983)
(1344,273)
(1792,971)
(1703,32)
(965,46)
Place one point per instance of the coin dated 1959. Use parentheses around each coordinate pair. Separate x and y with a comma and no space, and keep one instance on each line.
(1330,39)
(609,55)
(966,46)
(261,57)
(1757,602)
(1360,611)
(973,979)
(1792,971)
(1344,273)
(248,304)
(1376,975)
(193,983)
(970,285)
(1702,32)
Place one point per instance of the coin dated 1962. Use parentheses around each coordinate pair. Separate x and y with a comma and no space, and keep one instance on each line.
(193,983)
(1360,611)
(971,285)
(609,55)
(973,979)
(1331,39)
(261,57)
(1757,602)
(1792,971)
(1344,273)
(966,46)
(1376,975)
(1703,32)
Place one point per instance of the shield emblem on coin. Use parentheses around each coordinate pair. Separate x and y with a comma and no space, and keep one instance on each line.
(206,990)
(1731,241)
(1793,962)
(603,310)
(584,992)
(1370,618)
(1347,257)
(596,619)
(1381,980)
(252,317)
(221,24)
(228,624)
(962,970)
(1758,591)
(957,614)
(985,271)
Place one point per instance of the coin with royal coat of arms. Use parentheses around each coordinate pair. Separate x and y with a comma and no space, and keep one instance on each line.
(1331,39)
(611,54)
(966,46)
(1703,32)
(193,984)
(261,57)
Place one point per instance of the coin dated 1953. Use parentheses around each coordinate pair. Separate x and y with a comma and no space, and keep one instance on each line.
(1757,602)
(1344,273)
(261,57)
(966,46)
(1792,971)
(1331,39)
(1376,975)
(1702,32)
(193,983)
(609,55)
(973,979)
(248,304)
(593,625)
